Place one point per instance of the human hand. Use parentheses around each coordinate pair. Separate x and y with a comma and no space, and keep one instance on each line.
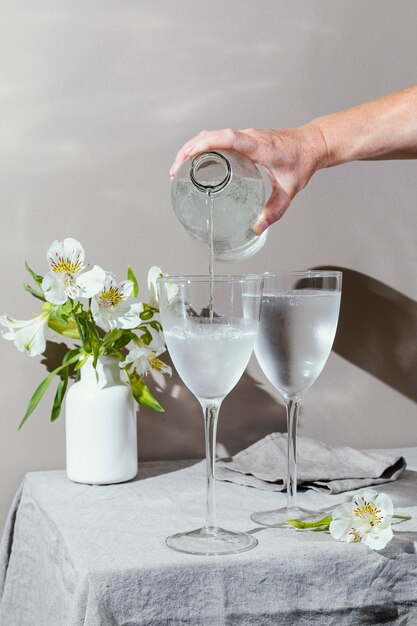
(290,158)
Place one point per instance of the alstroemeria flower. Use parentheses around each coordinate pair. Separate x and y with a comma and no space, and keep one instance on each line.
(367,519)
(144,358)
(69,277)
(28,335)
(113,307)
(153,274)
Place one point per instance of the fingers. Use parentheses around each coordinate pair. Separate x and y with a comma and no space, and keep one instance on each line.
(215,140)
(274,209)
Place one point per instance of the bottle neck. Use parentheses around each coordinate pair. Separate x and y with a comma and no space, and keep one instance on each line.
(210,172)
(107,371)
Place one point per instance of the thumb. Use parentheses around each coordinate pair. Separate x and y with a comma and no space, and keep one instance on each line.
(274,209)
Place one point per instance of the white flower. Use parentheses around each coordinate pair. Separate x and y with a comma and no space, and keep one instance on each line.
(144,358)
(153,274)
(367,519)
(69,277)
(28,335)
(113,307)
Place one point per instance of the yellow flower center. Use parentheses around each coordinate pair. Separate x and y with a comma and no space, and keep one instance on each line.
(111,297)
(369,513)
(156,364)
(64,266)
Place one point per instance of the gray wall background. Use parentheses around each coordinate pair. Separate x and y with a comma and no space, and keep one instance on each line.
(95,99)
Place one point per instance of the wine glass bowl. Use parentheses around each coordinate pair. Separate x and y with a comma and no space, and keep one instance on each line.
(210,327)
(299,318)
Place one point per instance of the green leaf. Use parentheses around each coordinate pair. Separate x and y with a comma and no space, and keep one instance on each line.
(111,336)
(82,362)
(60,393)
(319,525)
(83,329)
(68,329)
(71,357)
(62,312)
(141,392)
(62,385)
(37,294)
(36,277)
(131,276)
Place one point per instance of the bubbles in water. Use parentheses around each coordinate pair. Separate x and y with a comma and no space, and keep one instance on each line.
(179,333)
(232,333)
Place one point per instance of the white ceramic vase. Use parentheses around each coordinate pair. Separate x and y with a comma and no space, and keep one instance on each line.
(101,426)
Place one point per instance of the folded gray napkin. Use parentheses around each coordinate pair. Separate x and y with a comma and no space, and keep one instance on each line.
(319,466)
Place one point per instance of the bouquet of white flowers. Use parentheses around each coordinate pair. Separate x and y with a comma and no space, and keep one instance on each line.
(101,315)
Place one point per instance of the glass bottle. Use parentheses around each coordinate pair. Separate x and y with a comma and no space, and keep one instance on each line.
(231,186)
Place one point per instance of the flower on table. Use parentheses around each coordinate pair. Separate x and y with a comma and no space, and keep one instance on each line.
(28,335)
(113,307)
(144,358)
(68,276)
(367,519)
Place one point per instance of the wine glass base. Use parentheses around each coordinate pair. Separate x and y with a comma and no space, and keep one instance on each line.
(211,542)
(278,517)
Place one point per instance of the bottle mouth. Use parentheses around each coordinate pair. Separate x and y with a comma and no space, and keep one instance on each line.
(210,172)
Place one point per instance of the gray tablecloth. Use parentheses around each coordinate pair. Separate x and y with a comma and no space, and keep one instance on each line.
(76,554)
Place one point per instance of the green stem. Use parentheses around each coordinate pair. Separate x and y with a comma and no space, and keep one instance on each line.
(404,517)
(77,323)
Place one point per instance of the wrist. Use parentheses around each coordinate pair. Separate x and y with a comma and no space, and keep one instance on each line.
(315,138)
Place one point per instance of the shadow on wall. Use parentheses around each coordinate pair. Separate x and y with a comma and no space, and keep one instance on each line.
(377,331)
(247,414)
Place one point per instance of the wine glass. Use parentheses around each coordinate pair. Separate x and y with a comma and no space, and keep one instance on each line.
(299,318)
(210,327)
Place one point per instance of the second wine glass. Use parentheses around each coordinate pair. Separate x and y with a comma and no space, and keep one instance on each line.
(210,328)
(299,318)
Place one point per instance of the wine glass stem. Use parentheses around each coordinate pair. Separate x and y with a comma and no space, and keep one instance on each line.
(211,414)
(292,405)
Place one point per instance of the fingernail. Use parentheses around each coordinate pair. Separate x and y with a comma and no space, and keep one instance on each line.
(261,227)
(172,176)
(189,150)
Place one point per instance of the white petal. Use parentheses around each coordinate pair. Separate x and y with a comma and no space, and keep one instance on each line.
(54,253)
(157,343)
(28,335)
(69,249)
(139,357)
(340,529)
(377,540)
(129,318)
(125,289)
(154,273)
(384,503)
(102,317)
(109,282)
(172,291)
(368,495)
(91,282)
(73,251)
(343,511)
(54,289)
(165,369)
